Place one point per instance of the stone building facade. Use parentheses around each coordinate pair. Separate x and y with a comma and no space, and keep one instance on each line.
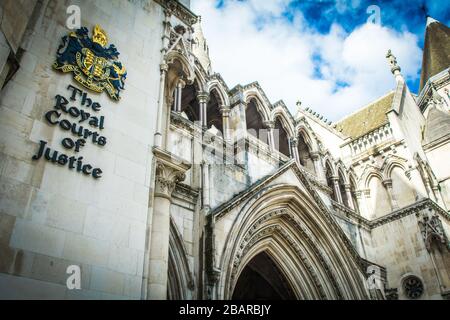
(185,188)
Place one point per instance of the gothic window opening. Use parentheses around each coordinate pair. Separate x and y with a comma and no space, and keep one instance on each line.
(255,123)
(189,103)
(213,114)
(281,139)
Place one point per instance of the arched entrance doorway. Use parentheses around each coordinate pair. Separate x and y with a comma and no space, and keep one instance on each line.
(261,279)
(282,245)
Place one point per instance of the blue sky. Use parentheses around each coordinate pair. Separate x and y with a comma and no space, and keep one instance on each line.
(325,52)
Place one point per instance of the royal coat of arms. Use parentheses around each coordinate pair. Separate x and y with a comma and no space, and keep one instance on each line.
(93,65)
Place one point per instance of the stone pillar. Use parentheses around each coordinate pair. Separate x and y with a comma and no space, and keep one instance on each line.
(348,192)
(178,94)
(361,204)
(169,171)
(205,187)
(318,167)
(294,150)
(203,98)
(159,115)
(337,191)
(225,110)
(388,185)
(270,125)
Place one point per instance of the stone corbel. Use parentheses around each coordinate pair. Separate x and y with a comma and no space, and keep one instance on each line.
(169,170)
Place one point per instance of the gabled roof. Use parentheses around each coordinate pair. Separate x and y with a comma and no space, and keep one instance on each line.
(436,50)
(366,119)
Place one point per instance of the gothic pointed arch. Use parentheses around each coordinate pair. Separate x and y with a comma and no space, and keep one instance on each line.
(180,279)
(255,122)
(279,223)
(390,163)
(302,127)
(280,110)
(189,102)
(254,92)
(213,111)
(281,135)
(402,191)
(216,82)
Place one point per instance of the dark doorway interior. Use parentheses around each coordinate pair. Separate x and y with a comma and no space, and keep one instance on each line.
(262,280)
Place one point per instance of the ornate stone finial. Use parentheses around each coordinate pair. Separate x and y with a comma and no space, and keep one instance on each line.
(269,124)
(392,60)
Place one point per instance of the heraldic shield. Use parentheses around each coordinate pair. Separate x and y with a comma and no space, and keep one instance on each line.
(92,64)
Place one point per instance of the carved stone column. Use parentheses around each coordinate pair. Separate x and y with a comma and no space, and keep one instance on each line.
(337,191)
(178,94)
(348,192)
(388,185)
(294,150)
(159,115)
(225,110)
(270,125)
(318,167)
(169,171)
(203,98)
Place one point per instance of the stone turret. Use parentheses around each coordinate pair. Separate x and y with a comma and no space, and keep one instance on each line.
(200,47)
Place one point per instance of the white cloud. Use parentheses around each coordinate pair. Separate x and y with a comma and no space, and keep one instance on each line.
(279,55)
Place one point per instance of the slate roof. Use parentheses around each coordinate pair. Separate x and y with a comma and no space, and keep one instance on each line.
(436,50)
(367,118)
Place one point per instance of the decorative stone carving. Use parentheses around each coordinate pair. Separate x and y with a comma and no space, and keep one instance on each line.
(169,171)
(255,234)
(392,60)
(413,287)
(431,229)
(175,8)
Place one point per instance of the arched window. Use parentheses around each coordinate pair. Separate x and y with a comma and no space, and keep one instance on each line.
(255,123)
(213,114)
(281,139)
(304,153)
(189,103)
